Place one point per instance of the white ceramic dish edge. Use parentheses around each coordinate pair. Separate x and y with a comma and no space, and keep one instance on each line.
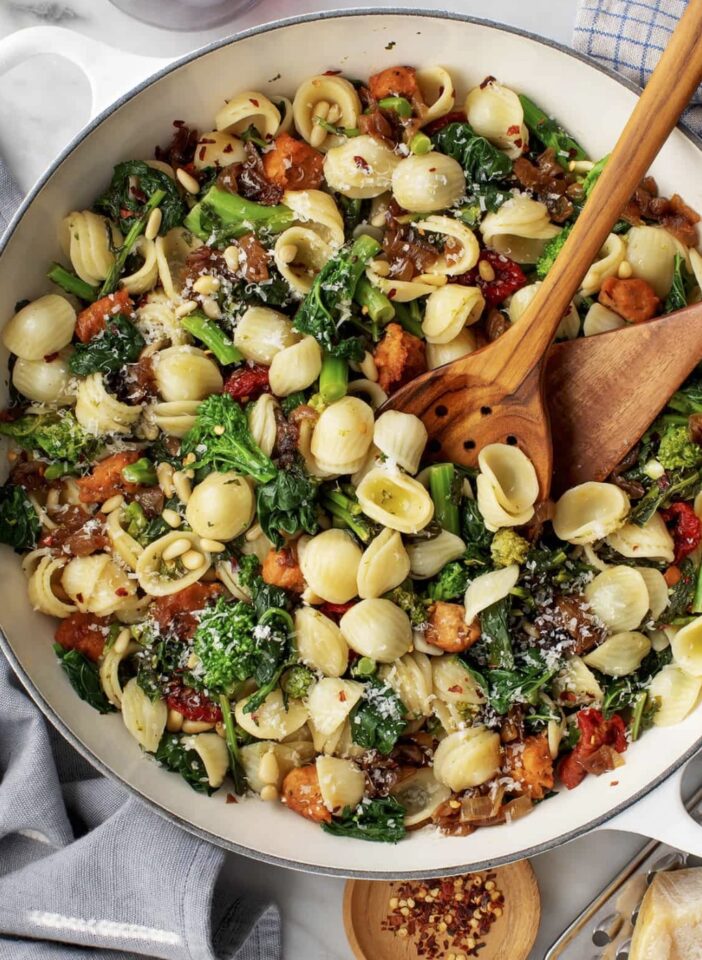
(657,812)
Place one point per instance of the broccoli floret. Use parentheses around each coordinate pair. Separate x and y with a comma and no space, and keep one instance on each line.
(550,252)
(508,547)
(224,644)
(221,440)
(451,582)
(57,436)
(143,471)
(676,450)
(414,606)
(297,681)
(222,216)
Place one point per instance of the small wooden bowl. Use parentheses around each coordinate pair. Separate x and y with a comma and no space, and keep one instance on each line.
(511,936)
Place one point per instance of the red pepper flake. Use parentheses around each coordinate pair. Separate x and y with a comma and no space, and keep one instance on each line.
(331,73)
(335,611)
(122,592)
(231,798)
(126,214)
(203,151)
(362,164)
(487,81)
(685,528)
(50,357)
(514,129)
(456,689)
(392,293)
(255,102)
(342,696)
(193,704)
(509,277)
(228,148)
(79,597)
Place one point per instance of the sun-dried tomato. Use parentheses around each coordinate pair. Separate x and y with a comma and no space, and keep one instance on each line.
(509,277)
(247,383)
(177,612)
(456,116)
(595,732)
(685,527)
(193,704)
(83,632)
(335,611)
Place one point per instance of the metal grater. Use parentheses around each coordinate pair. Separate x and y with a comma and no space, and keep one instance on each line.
(604,929)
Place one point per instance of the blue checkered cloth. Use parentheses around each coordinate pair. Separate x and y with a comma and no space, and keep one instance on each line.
(629,36)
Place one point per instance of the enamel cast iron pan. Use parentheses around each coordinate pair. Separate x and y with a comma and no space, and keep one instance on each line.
(643,796)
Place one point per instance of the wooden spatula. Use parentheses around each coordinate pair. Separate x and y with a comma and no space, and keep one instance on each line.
(497,393)
(604,392)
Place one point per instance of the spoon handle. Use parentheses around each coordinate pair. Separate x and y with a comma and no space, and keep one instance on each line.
(675,79)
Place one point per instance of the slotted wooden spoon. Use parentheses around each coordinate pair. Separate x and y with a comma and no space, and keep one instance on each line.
(604,392)
(497,393)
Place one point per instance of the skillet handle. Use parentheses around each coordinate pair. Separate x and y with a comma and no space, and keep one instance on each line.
(105,67)
(662,816)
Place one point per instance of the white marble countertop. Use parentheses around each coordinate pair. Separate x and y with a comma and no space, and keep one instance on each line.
(42,105)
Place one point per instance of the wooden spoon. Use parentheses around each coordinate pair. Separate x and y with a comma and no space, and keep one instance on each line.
(497,393)
(604,392)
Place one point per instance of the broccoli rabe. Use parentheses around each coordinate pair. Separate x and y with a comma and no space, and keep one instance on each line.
(143,472)
(19,523)
(327,307)
(414,606)
(551,250)
(688,399)
(382,820)
(225,646)
(508,547)
(264,595)
(676,450)
(221,440)
(551,133)
(450,583)
(287,504)
(222,216)
(56,435)
(378,718)
(297,681)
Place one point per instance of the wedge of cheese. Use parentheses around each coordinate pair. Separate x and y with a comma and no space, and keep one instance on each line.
(669,925)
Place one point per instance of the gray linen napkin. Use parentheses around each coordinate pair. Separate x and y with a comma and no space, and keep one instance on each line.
(629,36)
(85,866)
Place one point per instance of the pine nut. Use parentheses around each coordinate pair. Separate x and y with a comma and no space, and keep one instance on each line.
(321,109)
(174,721)
(269,792)
(486,271)
(172,518)
(211,546)
(196,726)
(232,256)
(153,224)
(176,549)
(433,279)
(192,560)
(122,641)
(211,309)
(164,472)
(185,308)
(268,769)
(218,430)
(286,253)
(183,486)
(253,533)
(187,181)
(334,114)
(112,504)
(625,270)
(206,285)
(381,267)
(368,367)
(188,459)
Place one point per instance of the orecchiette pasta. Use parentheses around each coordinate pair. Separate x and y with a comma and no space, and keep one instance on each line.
(507,486)
(341,783)
(221,507)
(218,149)
(261,333)
(519,229)
(330,702)
(488,588)
(99,412)
(274,719)
(123,544)
(171,253)
(428,182)
(287,757)
(299,255)
(90,241)
(143,717)
(175,417)
(675,693)
(43,381)
(160,576)
(436,86)
(145,277)
(40,329)
(421,795)
(378,629)
(296,367)
(657,590)
(320,643)
(427,557)
(687,647)
(495,112)
(401,437)
(590,512)
(96,584)
(385,564)
(453,684)
(620,654)
(610,259)
(360,168)
(319,213)
(41,585)
(651,253)
(262,422)
(156,320)
(569,326)
(343,435)
(411,679)
(576,683)
(401,291)
(467,758)
(449,309)
(329,564)
(185,373)
(212,750)
(652,540)
(619,597)
(330,98)
(109,668)
(395,500)
(599,319)
(440,353)
(248,109)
